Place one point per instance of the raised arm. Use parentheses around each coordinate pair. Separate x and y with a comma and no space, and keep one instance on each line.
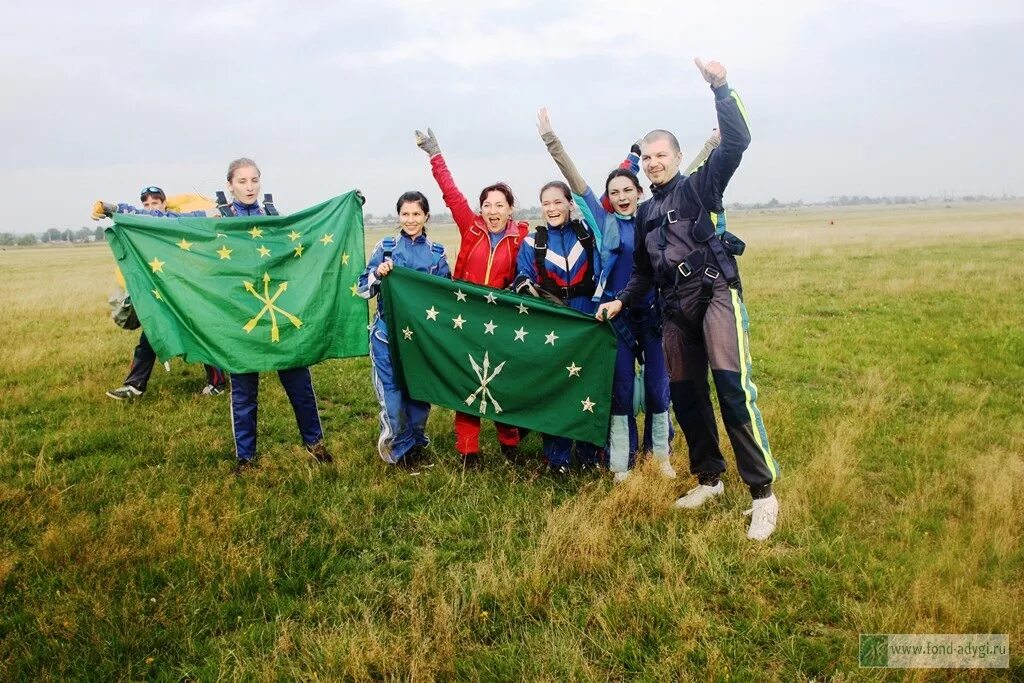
(557,151)
(711,179)
(463,214)
(710,145)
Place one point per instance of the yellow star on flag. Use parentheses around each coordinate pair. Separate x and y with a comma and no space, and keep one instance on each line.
(185,244)
(156,295)
(264,252)
(294,236)
(224,252)
(256,232)
(327,239)
(157,265)
(344,259)
(298,250)
(354,290)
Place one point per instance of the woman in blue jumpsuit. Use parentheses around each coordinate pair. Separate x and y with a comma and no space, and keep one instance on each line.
(403,420)
(244,185)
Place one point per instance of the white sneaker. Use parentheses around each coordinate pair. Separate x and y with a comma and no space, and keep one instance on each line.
(621,477)
(666,468)
(764,514)
(699,495)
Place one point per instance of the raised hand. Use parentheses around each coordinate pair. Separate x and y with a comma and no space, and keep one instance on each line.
(544,122)
(713,72)
(102,209)
(427,142)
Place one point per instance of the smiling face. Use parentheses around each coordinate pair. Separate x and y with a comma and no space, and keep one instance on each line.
(244,184)
(555,206)
(413,219)
(660,160)
(623,195)
(495,210)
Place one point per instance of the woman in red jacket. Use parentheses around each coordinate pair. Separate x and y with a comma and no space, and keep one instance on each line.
(487,256)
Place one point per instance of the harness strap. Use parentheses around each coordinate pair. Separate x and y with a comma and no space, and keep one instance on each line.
(268,205)
(224,206)
(625,335)
(540,253)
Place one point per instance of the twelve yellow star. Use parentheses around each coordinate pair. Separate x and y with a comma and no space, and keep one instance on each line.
(344,259)
(327,239)
(157,265)
(224,252)
(298,250)
(184,244)
(157,296)
(263,251)
(256,232)
(294,236)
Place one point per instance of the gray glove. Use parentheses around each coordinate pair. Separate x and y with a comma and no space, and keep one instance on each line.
(428,143)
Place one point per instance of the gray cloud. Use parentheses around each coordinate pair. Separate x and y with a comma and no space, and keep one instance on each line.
(854,97)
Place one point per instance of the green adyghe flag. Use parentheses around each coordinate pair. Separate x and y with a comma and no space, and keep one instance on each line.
(250,293)
(492,353)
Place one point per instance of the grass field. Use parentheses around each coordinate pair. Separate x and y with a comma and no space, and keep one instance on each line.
(889,353)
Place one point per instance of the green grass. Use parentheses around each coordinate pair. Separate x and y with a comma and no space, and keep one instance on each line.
(888,350)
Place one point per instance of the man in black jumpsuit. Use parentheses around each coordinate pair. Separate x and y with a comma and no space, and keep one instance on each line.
(684,252)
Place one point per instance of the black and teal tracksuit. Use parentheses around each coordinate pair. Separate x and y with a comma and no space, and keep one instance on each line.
(684,252)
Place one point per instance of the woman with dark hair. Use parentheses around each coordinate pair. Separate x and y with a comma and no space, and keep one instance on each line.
(403,420)
(560,259)
(613,219)
(244,185)
(490,242)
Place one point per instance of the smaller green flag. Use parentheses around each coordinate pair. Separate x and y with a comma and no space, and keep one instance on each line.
(249,293)
(512,359)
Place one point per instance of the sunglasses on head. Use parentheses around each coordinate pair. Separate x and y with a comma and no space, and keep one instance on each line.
(152,190)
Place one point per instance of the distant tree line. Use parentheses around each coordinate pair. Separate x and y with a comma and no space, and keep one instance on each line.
(53,235)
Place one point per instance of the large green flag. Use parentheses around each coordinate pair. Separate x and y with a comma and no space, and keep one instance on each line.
(250,293)
(489,352)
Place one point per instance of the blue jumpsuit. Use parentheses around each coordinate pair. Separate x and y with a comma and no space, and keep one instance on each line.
(618,236)
(566,264)
(403,420)
(297,383)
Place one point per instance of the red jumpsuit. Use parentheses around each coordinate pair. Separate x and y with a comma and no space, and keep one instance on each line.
(478,263)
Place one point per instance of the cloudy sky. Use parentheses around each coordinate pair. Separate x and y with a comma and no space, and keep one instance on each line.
(911,97)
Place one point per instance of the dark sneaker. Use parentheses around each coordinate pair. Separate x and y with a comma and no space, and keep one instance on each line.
(124,392)
(212,390)
(243,466)
(512,454)
(472,461)
(320,452)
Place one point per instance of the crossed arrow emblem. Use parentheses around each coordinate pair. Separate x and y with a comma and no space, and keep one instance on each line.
(483,392)
(269,306)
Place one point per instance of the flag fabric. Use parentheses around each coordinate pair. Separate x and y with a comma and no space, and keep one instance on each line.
(250,293)
(492,353)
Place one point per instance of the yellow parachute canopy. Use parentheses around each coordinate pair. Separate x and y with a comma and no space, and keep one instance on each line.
(183,203)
